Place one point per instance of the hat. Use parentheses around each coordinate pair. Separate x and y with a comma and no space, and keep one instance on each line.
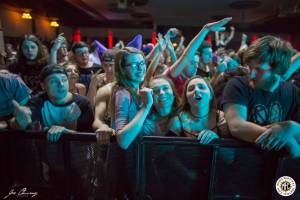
(136,42)
(51,69)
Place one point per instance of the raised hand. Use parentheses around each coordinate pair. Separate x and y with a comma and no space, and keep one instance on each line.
(146,97)
(172,33)
(95,78)
(161,42)
(58,41)
(219,25)
(22,114)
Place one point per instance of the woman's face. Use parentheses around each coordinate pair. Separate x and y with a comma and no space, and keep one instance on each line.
(163,96)
(72,73)
(30,49)
(198,93)
(135,68)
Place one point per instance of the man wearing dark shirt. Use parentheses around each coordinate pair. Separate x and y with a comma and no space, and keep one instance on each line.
(55,109)
(85,67)
(262,108)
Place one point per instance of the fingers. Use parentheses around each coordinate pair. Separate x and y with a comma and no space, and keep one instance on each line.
(103,135)
(263,137)
(54,133)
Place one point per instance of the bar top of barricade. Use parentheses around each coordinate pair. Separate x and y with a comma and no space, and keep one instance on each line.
(91,137)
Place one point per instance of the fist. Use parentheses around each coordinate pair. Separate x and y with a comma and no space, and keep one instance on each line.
(146,97)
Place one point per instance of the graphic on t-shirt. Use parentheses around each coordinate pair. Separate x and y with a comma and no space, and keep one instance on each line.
(261,115)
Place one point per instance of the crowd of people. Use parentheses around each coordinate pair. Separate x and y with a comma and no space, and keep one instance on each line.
(130,91)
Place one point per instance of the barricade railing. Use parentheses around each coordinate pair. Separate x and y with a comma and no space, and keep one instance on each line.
(77,167)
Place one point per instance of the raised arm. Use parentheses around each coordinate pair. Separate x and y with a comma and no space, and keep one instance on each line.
(151,69)
(57,44)
(193,46)
(231,35)
(294,66)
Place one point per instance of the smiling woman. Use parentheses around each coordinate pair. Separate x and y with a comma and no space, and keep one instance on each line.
(129,112)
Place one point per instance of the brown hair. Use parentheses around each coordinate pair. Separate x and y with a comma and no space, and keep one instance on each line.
(272,50)
(176,103)
(120,62)
(42,56)
(185,106)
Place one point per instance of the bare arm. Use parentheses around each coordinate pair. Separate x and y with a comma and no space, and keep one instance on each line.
(193,46)
(231,35)
(151,69)
(103,94)
(294,66)
(127,134)
(236,116)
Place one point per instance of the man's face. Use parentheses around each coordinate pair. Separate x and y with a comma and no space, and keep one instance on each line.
(81,56)
(263,77)
(191,69)
(108,67)
(206,55)
(56,86)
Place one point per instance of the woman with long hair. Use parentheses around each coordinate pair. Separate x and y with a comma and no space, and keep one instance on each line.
(199,117)
(32,57)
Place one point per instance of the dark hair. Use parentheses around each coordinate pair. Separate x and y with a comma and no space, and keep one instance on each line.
(177,101)
(120,62)
(272,50)
(77,45)
(185,106)
(205,44)
(52,69)
(42,56)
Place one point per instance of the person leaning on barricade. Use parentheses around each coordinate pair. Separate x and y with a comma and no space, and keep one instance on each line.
(262,108)
(55,109)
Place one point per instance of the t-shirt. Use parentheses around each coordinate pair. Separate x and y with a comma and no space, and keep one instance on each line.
(76,114)
(179,81)
(264,107)
(11,87)
(85,74)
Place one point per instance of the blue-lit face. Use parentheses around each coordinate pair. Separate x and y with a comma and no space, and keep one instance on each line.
(198,93)
(135,68)
(191,69)
(82,55)
(206,55)
(30,49)
(163,96)
(263,77)
(56,86)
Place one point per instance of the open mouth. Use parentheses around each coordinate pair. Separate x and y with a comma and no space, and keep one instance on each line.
(198,98)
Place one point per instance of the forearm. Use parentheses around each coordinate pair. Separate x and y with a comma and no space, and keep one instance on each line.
(91,94)
(294,66)
(155,51)
(246,131)
(53,56)
(151,69)
(129,132)
(173,56)
(229,38)
(189,52)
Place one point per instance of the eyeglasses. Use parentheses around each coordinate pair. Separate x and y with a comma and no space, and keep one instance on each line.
(136,65)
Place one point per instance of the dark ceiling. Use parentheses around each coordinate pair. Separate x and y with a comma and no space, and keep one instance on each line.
(263,15)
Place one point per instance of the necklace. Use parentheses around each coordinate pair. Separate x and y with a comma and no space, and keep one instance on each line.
(198,117)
